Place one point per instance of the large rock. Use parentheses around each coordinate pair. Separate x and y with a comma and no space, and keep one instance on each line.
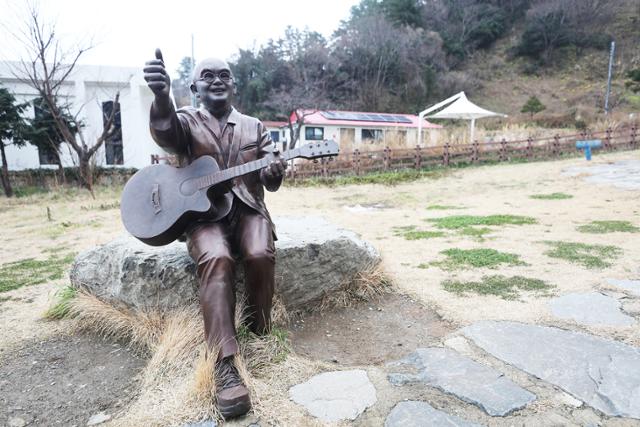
(464,378)
(604,374)
(314,257)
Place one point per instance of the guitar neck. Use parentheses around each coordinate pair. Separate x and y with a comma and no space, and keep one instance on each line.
(243,169)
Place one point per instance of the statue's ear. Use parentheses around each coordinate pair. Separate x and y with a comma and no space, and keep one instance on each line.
(193,89)
(235,88)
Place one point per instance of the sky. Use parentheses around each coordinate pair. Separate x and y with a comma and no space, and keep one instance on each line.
(126,32)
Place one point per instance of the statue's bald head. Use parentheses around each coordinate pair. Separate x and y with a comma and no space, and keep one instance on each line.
(216,64)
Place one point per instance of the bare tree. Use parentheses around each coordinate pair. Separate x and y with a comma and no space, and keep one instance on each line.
(46,68)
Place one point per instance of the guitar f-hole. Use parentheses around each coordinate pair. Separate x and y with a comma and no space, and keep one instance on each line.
(155,199)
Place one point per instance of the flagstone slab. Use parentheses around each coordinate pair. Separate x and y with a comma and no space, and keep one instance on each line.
(604,374)
(421,414)
(632,286)
(591,309)
(335,396)
(466,379)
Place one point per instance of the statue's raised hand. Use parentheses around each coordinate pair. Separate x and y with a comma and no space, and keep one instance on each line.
(157,78)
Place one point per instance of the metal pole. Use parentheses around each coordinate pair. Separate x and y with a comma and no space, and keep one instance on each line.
(193,67)
(606,99)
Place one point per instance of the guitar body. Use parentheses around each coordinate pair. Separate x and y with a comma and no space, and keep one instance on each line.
(160,201)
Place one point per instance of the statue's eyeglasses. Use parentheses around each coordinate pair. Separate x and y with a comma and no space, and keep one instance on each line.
(210,76)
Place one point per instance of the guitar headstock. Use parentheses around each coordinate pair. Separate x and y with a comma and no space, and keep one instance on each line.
(315,150)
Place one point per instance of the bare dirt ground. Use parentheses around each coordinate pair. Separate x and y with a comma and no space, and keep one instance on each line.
(373,338)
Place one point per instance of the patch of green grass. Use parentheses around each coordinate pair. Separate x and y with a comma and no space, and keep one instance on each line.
(461,221)
(589,256)
(601,227)
(275,345)
(62,304)
(422,234)
(384,178)
(488,258)
(31,271)
(551,196)
(478,232)
(502,286)
(409,232)
(443,207)
(29,191)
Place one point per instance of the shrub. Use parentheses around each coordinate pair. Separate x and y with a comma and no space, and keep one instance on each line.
(532,106)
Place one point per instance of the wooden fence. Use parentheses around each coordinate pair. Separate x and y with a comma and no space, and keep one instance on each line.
(361,162)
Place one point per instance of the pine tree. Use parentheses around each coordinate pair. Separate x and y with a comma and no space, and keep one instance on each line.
(533,105)
(13,128)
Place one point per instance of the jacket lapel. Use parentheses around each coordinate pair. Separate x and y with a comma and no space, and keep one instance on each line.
(235,120)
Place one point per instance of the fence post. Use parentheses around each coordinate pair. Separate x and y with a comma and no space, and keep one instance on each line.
(387,158)
(356,161)
(323,166)
(556,145)
(634,134)
(445,155)
(474,152)
(503,150)
(529,152)
(607,139)
(417,158)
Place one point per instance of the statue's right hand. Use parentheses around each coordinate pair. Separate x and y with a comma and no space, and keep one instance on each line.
(156,76)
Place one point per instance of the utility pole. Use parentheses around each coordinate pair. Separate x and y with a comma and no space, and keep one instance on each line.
(606,99)
(193,67)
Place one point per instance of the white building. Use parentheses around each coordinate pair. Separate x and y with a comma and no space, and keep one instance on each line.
(89,90)
(361,130)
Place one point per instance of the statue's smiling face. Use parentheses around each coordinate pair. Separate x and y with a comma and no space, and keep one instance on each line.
(213,83)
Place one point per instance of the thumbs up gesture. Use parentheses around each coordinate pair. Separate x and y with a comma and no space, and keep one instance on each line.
(157,78)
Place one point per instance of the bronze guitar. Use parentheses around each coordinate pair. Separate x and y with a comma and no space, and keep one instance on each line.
(160,201)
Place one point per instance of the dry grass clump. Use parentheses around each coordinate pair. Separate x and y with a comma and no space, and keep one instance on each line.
(140,329)
(366,285)
(178,383)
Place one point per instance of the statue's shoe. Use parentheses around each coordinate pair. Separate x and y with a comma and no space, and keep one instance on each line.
(232,395)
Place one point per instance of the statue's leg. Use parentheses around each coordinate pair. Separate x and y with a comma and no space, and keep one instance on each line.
(254,239)
(209,247)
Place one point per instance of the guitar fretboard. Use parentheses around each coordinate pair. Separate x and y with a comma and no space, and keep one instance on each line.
(233,172)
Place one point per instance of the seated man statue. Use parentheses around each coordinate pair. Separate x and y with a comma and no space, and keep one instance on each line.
(247,233)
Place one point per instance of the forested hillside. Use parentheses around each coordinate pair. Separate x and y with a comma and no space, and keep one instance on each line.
(403,55)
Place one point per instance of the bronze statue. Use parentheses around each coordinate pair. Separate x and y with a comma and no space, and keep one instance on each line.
(247,233)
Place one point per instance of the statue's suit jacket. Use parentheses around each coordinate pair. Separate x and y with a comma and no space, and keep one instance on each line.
(191,133)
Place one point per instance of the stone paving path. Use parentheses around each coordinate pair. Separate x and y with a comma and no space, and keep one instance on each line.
(624,174)
(468,380)
(604,374)
(631,286)
(420,414)
(591,309)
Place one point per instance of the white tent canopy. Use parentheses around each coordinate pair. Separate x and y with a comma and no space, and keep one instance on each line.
(459,108)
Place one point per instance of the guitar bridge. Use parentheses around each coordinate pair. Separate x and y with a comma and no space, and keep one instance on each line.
(155,199)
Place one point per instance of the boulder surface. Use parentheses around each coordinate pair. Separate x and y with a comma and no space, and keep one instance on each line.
(313,258)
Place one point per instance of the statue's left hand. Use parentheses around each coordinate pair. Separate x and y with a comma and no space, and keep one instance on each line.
(276,167)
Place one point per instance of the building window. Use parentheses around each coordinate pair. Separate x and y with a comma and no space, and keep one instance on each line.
(372,135)
(313,134)
(113,145)
(275,136)
(47,156)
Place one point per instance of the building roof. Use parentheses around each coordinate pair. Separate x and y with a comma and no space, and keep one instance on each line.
(363,119)
(274,124)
